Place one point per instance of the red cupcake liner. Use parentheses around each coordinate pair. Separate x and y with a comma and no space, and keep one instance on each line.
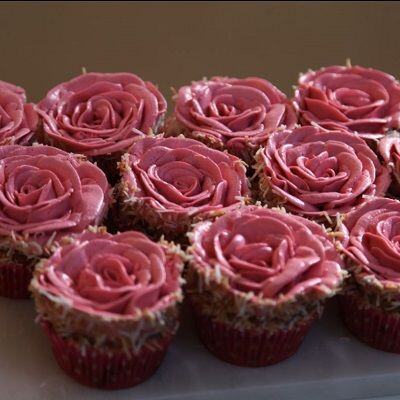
(105,369)
(14,280)
(249,348)
(375,327)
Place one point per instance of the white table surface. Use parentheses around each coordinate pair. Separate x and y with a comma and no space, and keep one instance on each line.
(331,364)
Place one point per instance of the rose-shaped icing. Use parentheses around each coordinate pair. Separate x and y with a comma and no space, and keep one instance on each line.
(18,119)
(234,113)
(315,172)
(389,149)
(96,114)
(45,191)
(102,274)
(183,177)
(373,238)
(273,255)
(361,100)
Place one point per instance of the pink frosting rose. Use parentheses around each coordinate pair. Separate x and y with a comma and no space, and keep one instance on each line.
(315,172)
(44,190)
(96,114)
(18,119)
(389,149)
(274,255)
(237,114)
(361,100)
(184,177)
(103,274)
(373,238)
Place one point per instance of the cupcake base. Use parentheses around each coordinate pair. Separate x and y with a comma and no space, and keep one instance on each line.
(14,280)
(373,326)
(108,369)
(248,348)
(138,215)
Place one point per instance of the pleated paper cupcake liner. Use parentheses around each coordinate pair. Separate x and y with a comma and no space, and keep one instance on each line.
(375,327)
(249,348)
(14,280)
(105,368)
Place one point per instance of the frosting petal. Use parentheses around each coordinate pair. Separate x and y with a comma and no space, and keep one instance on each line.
(44,190)
(96,114)
(104,274)
(239,113)
(273,255)
(18,119)
(373,239)
(361,100)
(316,172)
(389,149)
(183,176)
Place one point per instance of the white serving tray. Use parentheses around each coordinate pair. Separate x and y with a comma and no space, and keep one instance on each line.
(331,364)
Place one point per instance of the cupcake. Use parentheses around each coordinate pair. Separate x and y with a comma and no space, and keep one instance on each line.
(370,303)
(109,306)
(45,193)
(361,100)
(18,119)
(389,150)
(167,184)
(257,280)
(229,113)
(100,115)
(318,173)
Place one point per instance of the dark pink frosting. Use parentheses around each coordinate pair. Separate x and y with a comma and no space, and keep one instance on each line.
(389,149)
(44,190)
(373,232)
(362,100)
(105,274)
(319,172)
(18,119)
(274,255)
(237,112)
(96,114)
(184,176)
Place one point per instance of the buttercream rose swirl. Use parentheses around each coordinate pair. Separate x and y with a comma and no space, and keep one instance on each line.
(389,149)
(232,113)
(105,274)
(45,191)
(362,100)
(18,119)
(183,177)
(374,238)
(270,254)
(96,114)
(315,172)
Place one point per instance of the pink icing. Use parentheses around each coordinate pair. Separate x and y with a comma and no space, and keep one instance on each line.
(96,114)
(319,172)
(389,149)
(237,112)
(274,255)
(362,100)
(45,190)
(374,238)
(184,176)
(18,119)
(104,274)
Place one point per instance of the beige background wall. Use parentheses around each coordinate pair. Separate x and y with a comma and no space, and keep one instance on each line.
(172,43)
